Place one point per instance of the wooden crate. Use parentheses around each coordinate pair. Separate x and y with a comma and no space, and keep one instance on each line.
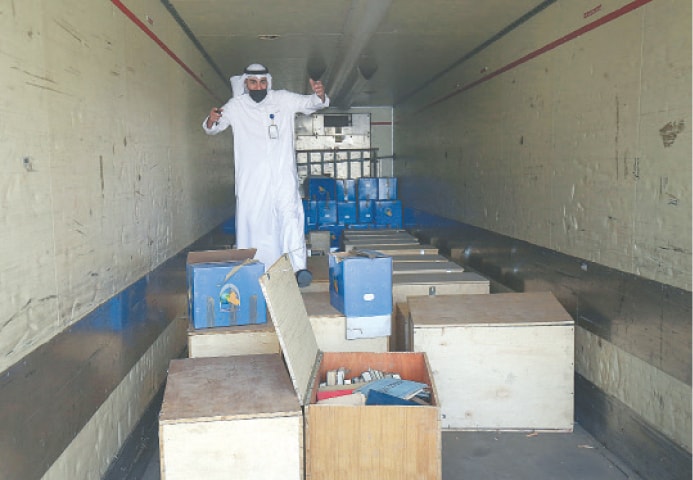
(329,327)
(402,249)
(319,266)
(375,243)
(346,442)
(400,268)
(237,340)
(221,417)
(418,258)
(374,233)
(452,283)
(501,362)
(400,328)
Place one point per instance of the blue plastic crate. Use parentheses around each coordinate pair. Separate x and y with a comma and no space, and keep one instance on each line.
(346,213)
(327,213)
(366,211)
(335,234)
(346,190)
(387,188)
(367,188)
(321,188)
(388,213)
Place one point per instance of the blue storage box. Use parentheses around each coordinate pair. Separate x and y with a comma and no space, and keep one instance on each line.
(321,188)
(346,213)
(335,234)
(367,188)
(223,288)
(365,211)
(346,190)
(388,213)
(361,288)
(387,188)
(310,211)
(327,213)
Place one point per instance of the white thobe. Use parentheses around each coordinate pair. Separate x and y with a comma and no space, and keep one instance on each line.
(269,212)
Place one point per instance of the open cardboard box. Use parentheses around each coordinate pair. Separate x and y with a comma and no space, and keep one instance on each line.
(347,442)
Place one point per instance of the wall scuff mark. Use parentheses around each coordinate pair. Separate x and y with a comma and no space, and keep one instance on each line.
(670,131)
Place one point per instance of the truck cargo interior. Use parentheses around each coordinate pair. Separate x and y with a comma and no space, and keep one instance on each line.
(539,151)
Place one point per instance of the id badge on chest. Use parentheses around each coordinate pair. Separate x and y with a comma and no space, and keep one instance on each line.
(273,130)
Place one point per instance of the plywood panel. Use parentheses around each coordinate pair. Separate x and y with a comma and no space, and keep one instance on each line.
(500,361)
(225,341)
(374,442)
(453,283)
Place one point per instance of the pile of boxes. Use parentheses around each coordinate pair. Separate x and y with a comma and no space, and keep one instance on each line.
(358,204)
(388,303)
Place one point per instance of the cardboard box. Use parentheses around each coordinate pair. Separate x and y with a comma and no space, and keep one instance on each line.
(388,213)
(453,283)
(361,288)
(227,341)
(329,327)
(501,362)
(221,417)
(367,188)
(346,190)
(346,213)
(223,288)
(387,188)
(347,442)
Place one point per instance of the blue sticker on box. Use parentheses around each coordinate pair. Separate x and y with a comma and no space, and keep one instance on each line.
(226,293)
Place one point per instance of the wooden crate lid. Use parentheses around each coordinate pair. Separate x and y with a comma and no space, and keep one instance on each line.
(227,388)
(497,309)
(402,249)
(402,268)
(216,256)
(434,257)
(381,241)
(438,278)
(295,333)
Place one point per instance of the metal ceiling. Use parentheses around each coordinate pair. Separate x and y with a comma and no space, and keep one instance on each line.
(367,52)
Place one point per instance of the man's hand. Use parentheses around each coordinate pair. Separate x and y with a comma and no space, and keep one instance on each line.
(318,89)
(214,116)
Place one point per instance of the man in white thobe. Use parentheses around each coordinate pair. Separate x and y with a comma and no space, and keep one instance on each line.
(269,211)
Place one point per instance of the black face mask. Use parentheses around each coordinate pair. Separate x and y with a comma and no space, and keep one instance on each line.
(257,95)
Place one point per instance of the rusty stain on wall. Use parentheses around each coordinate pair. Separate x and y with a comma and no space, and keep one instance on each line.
(670,131)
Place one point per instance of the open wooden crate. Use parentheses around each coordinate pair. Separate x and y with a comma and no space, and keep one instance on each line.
(347,442)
